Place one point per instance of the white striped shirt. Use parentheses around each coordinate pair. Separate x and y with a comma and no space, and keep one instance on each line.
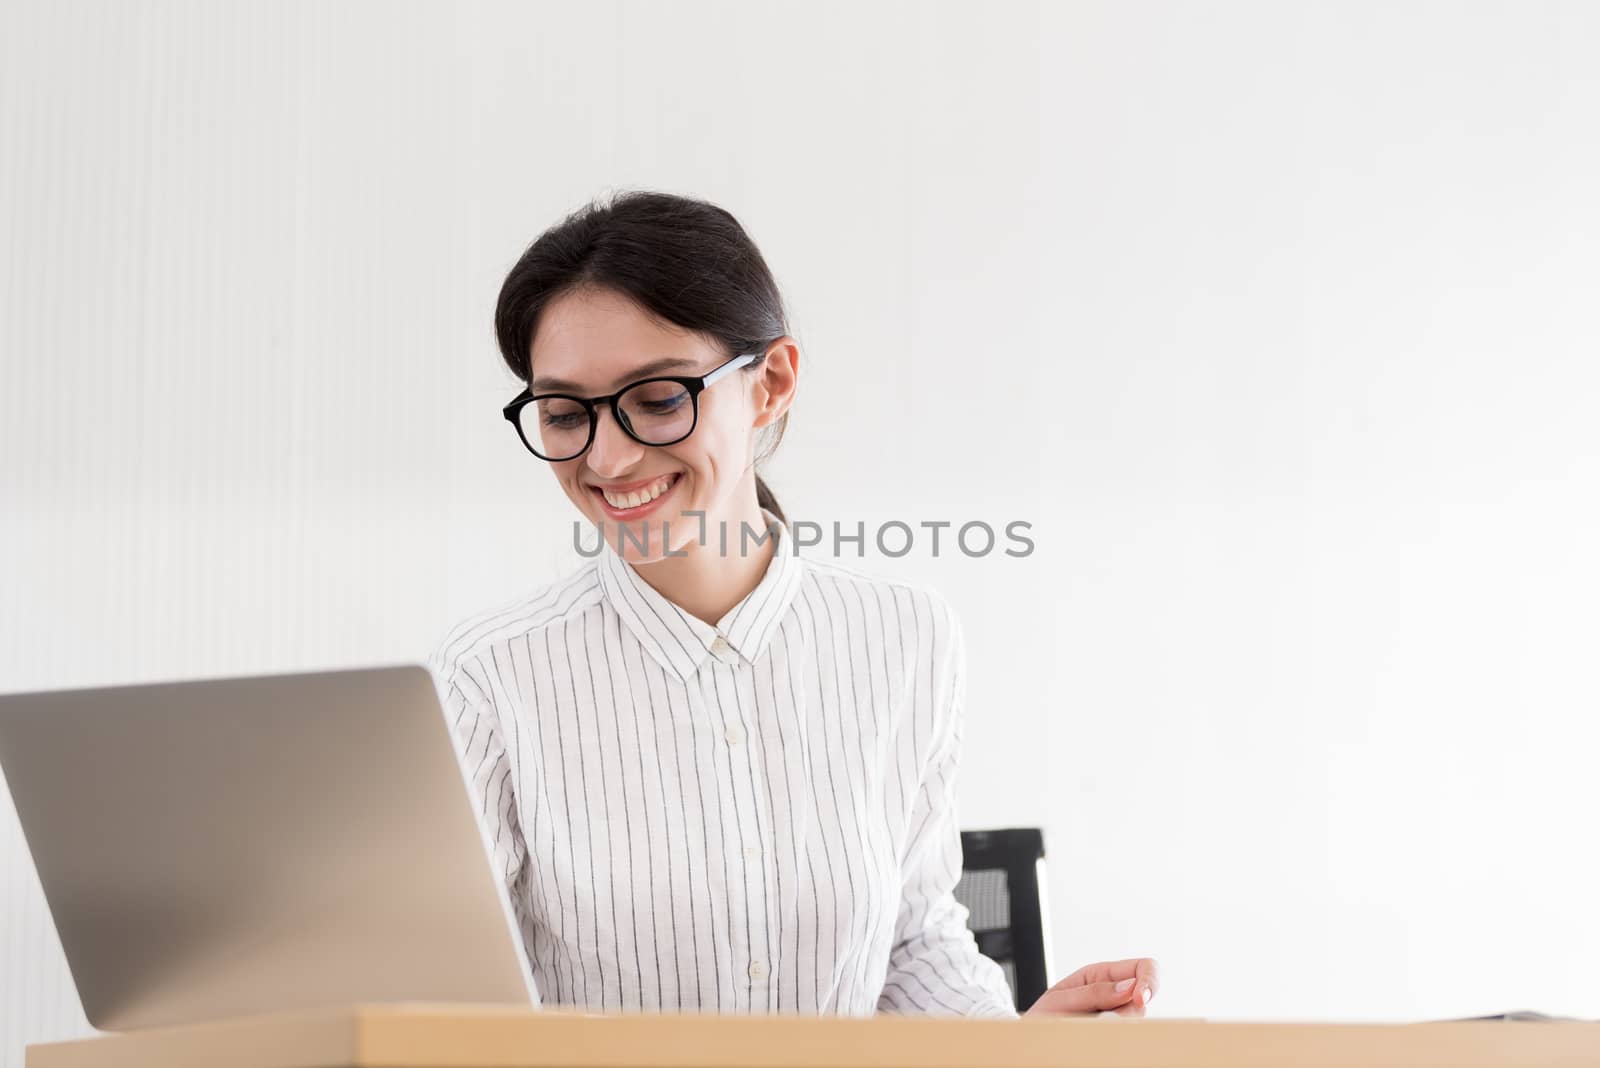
(752,817)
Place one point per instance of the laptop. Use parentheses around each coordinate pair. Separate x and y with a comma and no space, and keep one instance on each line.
(229,847)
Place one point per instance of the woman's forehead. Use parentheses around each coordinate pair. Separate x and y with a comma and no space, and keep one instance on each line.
(598,341)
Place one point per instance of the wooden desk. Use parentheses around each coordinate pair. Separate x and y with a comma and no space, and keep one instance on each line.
(454,1036)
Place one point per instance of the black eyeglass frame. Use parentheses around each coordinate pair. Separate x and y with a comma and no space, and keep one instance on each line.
(693,384)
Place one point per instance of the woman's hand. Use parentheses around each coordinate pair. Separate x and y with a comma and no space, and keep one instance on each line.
(1124,987)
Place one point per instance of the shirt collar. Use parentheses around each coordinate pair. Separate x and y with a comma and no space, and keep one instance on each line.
(682,643)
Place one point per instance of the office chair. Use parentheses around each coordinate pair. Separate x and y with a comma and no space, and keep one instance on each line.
(1001,886)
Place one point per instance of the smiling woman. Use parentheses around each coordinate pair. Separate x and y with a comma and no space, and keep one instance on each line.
(650,285)
(716,781)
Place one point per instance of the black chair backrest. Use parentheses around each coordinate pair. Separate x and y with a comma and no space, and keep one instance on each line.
(1000,887)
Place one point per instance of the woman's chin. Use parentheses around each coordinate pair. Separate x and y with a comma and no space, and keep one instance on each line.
(648,540)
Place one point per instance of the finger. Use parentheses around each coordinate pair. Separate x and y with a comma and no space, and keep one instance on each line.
(1108,971)
(1132,1008)
(1147,980)
(1066,999)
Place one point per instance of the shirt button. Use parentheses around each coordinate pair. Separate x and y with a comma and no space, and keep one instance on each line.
(758,970)
(719,646)
(734,734)
(751,853)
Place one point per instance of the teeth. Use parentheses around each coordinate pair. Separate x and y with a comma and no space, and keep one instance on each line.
(638,497)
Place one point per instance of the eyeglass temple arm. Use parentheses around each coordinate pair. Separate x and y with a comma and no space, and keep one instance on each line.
(731,366)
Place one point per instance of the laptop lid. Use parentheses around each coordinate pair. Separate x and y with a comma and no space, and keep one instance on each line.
(227,847)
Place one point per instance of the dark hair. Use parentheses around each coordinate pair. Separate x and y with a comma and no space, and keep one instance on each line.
(685,261)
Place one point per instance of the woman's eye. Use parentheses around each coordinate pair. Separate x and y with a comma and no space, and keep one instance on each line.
(662,407)
(561,422)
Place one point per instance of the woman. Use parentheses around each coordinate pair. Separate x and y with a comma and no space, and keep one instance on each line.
(719,775)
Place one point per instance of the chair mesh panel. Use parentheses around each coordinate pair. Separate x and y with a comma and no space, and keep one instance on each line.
(987,897)
(999,886)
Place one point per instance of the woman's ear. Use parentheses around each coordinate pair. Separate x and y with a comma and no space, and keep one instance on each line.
(777,380)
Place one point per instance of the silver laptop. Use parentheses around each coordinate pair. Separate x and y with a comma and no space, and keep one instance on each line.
(236,846)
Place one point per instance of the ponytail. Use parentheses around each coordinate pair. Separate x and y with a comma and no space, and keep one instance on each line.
(766,500)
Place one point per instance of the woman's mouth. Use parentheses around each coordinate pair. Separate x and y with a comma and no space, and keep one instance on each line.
(637,503)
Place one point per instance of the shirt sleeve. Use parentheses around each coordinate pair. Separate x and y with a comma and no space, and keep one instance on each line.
(493,777)
(935,967)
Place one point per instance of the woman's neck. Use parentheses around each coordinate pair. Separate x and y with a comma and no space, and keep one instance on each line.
(707,582)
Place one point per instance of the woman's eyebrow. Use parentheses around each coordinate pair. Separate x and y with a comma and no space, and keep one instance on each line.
(654,366)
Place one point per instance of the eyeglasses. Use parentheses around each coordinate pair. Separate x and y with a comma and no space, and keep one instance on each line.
(652,411)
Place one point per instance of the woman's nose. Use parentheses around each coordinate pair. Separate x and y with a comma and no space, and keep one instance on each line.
(612,452)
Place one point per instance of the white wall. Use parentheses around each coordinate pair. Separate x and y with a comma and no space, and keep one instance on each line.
(1276,321)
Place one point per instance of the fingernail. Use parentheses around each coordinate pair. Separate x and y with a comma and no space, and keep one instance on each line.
(1124,986)
(1148,994)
